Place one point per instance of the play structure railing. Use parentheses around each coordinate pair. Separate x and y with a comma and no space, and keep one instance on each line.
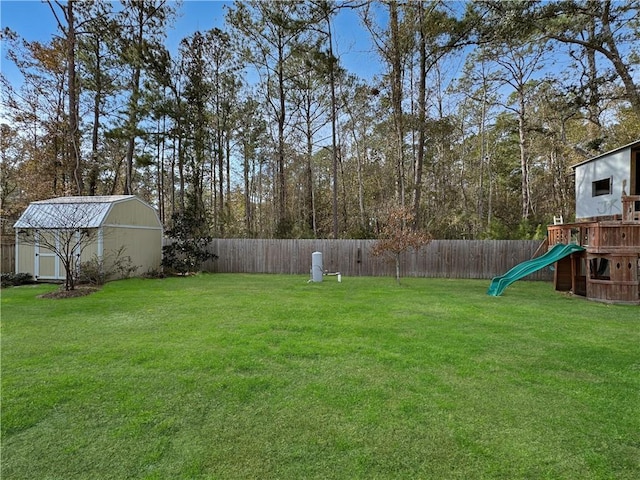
(568,233)
(597,236)
(631,209)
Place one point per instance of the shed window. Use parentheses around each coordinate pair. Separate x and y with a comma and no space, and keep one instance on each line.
(601,187)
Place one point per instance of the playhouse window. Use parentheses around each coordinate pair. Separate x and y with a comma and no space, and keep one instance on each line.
(601,187)
(599,269)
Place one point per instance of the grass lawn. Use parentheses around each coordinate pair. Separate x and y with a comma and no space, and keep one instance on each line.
(264,377)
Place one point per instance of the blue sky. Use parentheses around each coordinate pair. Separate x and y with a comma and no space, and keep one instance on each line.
(33,20)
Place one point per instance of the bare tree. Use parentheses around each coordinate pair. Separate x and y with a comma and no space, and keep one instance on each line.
(69,28)
(397,236)
(65,229)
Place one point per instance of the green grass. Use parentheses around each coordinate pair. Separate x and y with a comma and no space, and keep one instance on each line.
(254,376)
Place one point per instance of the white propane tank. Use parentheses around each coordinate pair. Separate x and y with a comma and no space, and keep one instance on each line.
(316,266)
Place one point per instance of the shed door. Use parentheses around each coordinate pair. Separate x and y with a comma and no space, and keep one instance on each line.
(46,264)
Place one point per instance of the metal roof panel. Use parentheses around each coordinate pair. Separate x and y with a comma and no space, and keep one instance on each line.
(68,212)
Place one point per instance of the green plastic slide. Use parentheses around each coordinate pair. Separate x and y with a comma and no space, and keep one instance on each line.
(559,251)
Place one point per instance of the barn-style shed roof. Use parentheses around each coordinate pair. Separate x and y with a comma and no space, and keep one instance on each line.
(69,212)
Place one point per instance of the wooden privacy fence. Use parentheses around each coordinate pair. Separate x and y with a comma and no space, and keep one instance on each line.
(482,259)
(8,254)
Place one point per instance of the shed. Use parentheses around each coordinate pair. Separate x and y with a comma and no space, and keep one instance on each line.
(90,227)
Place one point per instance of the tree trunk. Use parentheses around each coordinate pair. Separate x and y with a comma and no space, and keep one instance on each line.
(396,98)
(74,132)
(334,146)
(93,175)
(422,116)
(247,192)
(523,161)
(281,179)
(132,124)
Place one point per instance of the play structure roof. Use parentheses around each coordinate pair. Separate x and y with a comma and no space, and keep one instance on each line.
(610,152)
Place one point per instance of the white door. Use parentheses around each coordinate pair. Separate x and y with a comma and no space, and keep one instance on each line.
(47,264)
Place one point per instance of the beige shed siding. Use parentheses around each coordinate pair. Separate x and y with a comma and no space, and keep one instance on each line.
(135,225)
(91,250)
(24,258)
(143,245)
(48,265)
(132,212)
(137,242)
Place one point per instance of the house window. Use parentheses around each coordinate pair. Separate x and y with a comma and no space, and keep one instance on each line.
(601,187)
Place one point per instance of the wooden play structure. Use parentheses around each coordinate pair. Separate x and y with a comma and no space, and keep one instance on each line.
(607,226)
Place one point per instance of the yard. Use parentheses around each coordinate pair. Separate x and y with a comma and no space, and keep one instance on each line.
(256,376)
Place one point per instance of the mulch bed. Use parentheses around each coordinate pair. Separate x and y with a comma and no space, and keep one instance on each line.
(79,291)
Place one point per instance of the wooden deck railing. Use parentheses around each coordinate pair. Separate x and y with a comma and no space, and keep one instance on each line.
(607,236)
